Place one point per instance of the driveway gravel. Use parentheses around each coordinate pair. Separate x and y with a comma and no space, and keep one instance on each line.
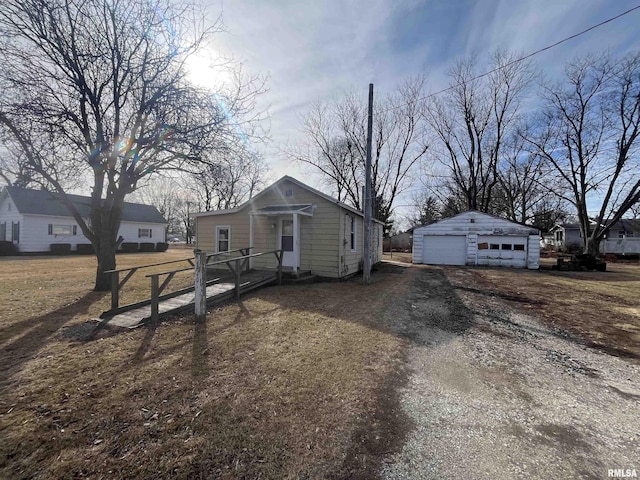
(492,393)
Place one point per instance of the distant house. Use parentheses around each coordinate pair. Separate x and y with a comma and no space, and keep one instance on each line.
(622,237)
(567,236)
(475,238)
(33,220)
(318,233)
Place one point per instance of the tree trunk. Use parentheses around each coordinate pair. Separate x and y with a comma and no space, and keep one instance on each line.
(592,246)
(106,255)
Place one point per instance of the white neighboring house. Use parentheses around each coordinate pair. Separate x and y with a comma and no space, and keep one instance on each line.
(34,219)
(474,238)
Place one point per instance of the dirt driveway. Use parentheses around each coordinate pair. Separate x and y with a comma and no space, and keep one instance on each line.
(493,393)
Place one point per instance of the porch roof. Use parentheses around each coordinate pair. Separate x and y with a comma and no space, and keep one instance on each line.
(273,210)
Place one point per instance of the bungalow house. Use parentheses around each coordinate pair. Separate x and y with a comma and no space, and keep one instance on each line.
(33,220)
(318,233)
(567,236)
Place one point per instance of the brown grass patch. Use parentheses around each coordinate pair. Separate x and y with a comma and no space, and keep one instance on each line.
(276,386)
(599,307)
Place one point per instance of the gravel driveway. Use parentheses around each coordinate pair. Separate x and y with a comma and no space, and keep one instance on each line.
(492,393)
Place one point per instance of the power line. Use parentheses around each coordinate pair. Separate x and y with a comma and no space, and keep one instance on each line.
(521,59)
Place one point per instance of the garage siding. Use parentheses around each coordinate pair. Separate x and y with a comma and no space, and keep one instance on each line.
(475,238)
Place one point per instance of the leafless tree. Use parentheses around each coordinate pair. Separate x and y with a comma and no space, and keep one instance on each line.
(229,180)
(95,92)
(589,139)
(336,144)
(474,118)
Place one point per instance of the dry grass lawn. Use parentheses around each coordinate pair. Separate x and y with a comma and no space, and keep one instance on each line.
(276,386)
(601,308)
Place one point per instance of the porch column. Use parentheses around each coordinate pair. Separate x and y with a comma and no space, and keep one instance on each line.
(251,239)
(296,244)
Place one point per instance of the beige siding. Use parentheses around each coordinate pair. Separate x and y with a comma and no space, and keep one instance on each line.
(319,235)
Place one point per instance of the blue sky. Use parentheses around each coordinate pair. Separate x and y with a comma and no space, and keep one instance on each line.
(316,49)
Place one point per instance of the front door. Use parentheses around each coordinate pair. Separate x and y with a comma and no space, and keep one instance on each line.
(288,243)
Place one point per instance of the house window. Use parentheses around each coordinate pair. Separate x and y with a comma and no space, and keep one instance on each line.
(495,246)
(15,232)
(223,238)
(145,233)
(3,231)
(62,229)
(288,192)
(519,247)
(559,235)
(352,233)
(507,246)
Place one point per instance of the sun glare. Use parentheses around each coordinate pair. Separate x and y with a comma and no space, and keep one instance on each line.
(207,69)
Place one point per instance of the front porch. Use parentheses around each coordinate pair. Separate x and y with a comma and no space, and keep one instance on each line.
(279,227)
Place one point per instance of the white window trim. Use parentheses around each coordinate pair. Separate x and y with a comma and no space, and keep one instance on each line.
(353,230)
(148,230)
(223,227)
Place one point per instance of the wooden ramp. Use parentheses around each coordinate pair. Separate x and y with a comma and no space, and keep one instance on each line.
(216,293)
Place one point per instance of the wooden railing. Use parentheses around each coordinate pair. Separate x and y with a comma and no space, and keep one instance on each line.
(236,265)
(117,284)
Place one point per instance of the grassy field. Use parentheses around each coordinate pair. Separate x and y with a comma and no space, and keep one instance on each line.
(288,383)
(276,386)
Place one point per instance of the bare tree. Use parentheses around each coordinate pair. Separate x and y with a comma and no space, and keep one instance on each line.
(473,119)
(336,144)
(95,92)
(229,180)
(589,139)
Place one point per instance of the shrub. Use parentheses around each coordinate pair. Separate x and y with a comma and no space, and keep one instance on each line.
(129,247)
(8,248)
(60,248)
(85,249)
(147,247)
(161,247)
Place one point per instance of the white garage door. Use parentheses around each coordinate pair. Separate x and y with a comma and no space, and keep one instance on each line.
(502,251)
(444,249)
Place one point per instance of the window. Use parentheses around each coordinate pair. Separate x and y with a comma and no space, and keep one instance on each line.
(507,246)
(63,229)
(145,233)
(519,247)
(352,233)
(3,231)
(495,246)
(483,246)
(15,232)
(223,239)
(288,192)
(559,235)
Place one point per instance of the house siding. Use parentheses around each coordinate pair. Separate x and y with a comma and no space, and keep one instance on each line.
(10,215)
(321,235)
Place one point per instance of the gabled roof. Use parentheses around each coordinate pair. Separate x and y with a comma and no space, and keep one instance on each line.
(477,212)
(41,202)
(286,178)
(626,224)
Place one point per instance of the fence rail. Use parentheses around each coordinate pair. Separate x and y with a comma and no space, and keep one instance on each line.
(237,265)
(117,284)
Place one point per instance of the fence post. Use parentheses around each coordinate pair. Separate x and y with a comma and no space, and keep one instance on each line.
(201,285)
(115,288)
(279,255)
(155,294)
(238,279)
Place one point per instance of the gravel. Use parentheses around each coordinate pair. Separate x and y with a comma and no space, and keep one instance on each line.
(492,393)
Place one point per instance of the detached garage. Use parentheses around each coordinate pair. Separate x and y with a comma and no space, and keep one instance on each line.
(474,238)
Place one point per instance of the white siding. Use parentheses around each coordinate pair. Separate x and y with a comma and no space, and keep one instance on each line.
(479,228)
(9,215)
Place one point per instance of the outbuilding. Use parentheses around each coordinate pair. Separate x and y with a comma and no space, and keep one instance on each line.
(475,238)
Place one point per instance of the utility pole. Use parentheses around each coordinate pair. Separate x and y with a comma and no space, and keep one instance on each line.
(366,274)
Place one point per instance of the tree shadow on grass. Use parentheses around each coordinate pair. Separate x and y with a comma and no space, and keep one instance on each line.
(37,331)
